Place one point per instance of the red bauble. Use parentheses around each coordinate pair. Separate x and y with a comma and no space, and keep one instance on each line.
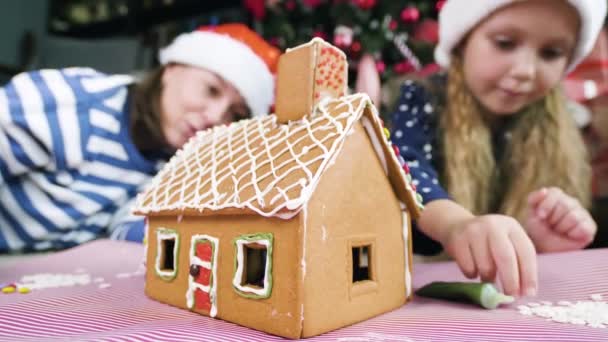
(410,14)
(427,31)
(256,7)
(365,4)
(439,5)
(392,25)
(355,47)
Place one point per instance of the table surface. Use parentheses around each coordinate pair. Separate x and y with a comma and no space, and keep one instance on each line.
(118,310)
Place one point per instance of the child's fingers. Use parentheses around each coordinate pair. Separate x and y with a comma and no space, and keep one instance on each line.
(569,221)
(505,260)
(526,258)
(580,233)
(535,197)
(584,231)
(461,252)
(546,206)
(480,250)
(564,205)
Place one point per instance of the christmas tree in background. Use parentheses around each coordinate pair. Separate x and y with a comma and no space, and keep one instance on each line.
(397,36)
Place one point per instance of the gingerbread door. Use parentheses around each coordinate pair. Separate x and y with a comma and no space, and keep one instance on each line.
(202,280)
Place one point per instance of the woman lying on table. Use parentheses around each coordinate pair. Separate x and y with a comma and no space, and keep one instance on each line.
(77,145)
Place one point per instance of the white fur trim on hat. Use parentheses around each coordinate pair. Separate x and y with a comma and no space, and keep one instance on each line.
(458,17)
(231,59)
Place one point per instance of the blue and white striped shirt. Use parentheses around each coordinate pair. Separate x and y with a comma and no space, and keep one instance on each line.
(67,163)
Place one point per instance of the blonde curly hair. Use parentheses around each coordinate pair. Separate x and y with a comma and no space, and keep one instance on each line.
(545,149)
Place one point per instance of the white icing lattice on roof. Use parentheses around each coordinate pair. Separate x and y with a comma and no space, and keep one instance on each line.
(256,165)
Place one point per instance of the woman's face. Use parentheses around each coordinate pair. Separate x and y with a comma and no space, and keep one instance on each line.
(520,52)
(194,99)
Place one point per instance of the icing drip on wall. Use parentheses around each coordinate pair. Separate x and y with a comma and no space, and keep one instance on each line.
(406,242)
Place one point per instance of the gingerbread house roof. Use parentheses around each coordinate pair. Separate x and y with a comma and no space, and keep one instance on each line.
(259,166)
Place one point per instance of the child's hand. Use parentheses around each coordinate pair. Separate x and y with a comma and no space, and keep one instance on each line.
(557,222)
(492,245)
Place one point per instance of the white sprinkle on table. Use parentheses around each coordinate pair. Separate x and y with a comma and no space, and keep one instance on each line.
(597,297)
(593,313)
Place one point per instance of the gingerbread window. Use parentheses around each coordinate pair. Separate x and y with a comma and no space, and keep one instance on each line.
(363,271)
(253,265)
(361,261)
(167,247)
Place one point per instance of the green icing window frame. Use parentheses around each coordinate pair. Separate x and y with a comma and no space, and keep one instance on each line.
(161,235)
(265,239)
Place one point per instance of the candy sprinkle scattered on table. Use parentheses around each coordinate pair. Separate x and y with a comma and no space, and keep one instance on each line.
(592,313)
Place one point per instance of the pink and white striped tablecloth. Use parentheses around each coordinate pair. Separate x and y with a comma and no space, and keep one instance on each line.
(121,312)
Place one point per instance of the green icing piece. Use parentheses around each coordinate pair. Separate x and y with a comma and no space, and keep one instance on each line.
(175,258)
(483,294)
(253,238)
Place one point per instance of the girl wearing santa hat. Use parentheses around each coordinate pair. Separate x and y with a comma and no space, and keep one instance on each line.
(491,145)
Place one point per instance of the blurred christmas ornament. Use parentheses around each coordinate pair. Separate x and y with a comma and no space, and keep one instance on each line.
(360,28)
(427,31)
(343,37)
(439,5)
(256,7)
(410,14)
(393,25)
(400,42)
(365,4)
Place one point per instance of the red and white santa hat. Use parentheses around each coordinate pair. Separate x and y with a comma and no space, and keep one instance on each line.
(458,17)
(235,53)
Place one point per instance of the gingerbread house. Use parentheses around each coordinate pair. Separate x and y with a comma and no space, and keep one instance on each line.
(295,223)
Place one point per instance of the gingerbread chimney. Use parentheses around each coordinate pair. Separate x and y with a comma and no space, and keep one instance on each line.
(306,75)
